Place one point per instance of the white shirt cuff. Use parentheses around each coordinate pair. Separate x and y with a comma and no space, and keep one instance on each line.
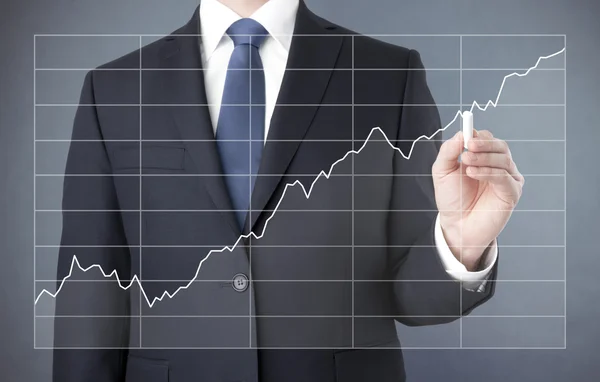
(473,281)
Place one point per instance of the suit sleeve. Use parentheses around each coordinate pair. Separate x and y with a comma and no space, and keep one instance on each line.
(86,345)
(424,292)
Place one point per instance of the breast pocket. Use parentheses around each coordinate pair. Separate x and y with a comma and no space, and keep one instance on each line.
(146,370)
(153,158)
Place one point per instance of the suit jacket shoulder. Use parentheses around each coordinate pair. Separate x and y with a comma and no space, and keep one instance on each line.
(371,51)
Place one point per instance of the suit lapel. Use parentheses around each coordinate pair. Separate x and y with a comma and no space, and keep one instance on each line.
(186,87)
(292,123)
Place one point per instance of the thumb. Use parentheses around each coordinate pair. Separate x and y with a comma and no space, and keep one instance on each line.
(447,159)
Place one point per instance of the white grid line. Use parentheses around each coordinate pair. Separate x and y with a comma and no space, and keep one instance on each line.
(314,35)
(274,140)
(353,231)
(250,286)
(140,195)
(565,187)
(314,348)
(458,316)
(291,210)
(158,69)
(460,167)
(277,175)
(348,105)
(34,191)
(295,246)
(228,282)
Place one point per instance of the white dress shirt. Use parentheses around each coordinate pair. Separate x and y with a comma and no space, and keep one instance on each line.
(278,18)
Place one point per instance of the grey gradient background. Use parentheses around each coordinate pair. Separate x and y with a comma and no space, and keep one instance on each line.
(577,19)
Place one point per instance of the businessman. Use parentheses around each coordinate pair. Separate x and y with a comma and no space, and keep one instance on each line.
(214,137)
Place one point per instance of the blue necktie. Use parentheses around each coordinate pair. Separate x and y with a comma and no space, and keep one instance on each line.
(241,125)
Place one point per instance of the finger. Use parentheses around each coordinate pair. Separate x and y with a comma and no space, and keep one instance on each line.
(518,176)
(448,155)
(498,177)
(486,143)
(511,166)
(487,135)
(497,160)
(501,161)
(483,134)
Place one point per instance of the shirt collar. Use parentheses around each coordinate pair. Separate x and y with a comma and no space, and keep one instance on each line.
(277,16)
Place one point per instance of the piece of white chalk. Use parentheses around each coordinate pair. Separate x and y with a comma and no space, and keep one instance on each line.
(467,126)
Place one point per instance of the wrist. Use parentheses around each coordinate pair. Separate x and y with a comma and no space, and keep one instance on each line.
(466,253)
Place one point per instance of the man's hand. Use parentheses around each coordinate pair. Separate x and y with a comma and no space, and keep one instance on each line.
(476,198)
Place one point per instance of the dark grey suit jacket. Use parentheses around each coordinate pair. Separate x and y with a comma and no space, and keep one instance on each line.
(332,273)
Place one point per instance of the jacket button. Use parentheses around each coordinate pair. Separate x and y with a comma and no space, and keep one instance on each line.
(240,282)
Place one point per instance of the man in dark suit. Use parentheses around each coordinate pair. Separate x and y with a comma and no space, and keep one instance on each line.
(265,207)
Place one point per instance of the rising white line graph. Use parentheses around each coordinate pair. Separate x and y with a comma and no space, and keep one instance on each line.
(307,193)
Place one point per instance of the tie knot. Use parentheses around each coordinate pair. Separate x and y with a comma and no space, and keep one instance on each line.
(247,31)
